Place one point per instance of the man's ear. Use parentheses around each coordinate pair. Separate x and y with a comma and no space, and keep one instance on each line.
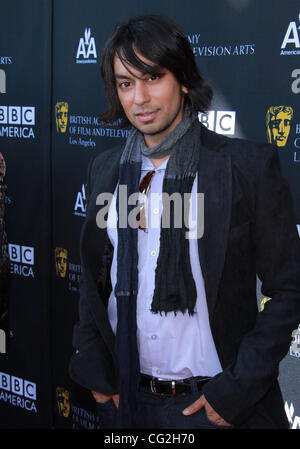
(184,90)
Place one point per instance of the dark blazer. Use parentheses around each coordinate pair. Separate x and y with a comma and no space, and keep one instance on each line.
(249,230)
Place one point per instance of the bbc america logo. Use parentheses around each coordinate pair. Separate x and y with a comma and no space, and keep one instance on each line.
(21,254)
(21,260)
(222,122)
(17,115)
(17,121)
(18,392)
(18,386)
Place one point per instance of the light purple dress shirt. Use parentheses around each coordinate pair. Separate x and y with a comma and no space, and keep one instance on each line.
(170,347)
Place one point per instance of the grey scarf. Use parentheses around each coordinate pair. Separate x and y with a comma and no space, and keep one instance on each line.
(174,284)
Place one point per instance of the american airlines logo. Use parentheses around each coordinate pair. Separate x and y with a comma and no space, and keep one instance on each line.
(80,204)
(86,51)
(291,39)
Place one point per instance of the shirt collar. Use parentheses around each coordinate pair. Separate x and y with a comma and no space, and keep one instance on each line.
(148,166)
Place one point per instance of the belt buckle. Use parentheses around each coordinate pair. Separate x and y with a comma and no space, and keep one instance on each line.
(173,387)
(152,385)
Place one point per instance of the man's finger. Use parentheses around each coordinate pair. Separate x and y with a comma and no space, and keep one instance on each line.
(116,400)
(99,397)
(195,406)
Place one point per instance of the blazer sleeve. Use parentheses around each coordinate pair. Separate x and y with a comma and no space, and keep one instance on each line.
(235,392)
(92,365)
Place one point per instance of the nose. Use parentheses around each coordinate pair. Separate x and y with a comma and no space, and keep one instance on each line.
(281,128)
(141,94)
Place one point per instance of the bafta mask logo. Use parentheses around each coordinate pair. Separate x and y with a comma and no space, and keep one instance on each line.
(61,257)
(278,121)
(63,401)
(61,116)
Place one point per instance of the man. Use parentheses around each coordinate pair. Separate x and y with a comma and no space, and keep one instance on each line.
(169,333)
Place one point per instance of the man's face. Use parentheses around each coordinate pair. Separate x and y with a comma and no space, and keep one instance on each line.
(152,103)
(280,128)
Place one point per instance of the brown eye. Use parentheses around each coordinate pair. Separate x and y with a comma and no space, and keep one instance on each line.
(124,84)
(154,77)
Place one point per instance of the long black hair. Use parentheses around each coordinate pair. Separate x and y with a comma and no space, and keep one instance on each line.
(159,40)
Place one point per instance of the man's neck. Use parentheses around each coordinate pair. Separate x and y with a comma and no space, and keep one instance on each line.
(157,162)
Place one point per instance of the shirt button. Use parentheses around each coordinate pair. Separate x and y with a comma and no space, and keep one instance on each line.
(155,211)
(154,337)
(153,253)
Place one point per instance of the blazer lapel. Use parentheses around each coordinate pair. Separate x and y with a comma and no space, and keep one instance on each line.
(215,181)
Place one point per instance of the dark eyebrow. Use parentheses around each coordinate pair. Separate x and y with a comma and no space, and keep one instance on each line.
(117,76)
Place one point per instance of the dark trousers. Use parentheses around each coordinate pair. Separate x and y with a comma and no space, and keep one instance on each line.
(161,412)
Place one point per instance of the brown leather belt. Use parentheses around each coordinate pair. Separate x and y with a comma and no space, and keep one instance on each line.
(171,387)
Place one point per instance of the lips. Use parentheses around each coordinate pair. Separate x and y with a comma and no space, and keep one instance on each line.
(146,116)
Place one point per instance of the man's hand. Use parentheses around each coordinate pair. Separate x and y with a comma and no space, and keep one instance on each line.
(102,398)
(211,414)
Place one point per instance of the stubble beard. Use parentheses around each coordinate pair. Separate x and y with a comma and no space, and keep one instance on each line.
(165,126)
